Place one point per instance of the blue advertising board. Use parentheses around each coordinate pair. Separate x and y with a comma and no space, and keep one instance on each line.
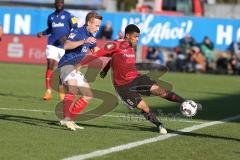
(156,30)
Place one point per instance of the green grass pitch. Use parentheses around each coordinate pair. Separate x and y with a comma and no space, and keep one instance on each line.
(29,127)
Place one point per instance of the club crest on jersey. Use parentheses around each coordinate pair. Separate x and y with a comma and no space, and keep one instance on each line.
(110,46)
(62,17)
(72,35)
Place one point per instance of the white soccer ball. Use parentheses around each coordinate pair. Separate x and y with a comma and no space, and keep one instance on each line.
(188,108)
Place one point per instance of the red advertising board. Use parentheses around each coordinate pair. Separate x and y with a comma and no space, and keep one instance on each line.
(23,49)
(31,50)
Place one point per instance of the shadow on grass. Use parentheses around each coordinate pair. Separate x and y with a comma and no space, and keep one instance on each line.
(19,96)
(31,121)
(201,135)
(213,109)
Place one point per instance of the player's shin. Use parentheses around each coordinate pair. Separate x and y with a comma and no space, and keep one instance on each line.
(80,104)
(67,102)
(153,118)
(171,96)
(49,74)
(150,116)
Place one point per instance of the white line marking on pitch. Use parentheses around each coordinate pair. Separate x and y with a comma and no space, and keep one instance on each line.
(127,146)
(108,115)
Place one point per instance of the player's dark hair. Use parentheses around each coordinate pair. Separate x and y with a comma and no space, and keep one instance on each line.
(92,15)
(58,0)
(131,28)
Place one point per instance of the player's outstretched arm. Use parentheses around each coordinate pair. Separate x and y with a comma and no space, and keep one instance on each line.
(90,57)
(74,44)
(105,70)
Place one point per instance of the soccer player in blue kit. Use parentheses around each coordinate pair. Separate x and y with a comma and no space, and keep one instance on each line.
(79,41)
(60,23)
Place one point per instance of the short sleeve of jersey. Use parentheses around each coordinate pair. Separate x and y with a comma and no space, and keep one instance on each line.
(74,36)
(73,21)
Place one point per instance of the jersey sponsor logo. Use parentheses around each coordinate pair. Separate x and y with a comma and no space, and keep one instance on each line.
(55,25)
(74,20)
(128,55)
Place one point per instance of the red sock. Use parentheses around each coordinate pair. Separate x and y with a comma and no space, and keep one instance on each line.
(67,102)
(48,78)
(78,107)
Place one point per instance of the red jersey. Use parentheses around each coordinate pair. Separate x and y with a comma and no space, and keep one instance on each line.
(123,61)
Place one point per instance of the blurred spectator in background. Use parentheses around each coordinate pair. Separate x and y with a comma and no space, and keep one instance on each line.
(184,50)
(107,31)
(186,44)
(155,60)
(120,35)
(235,57)
(198,60)
(236,48)
(207,49)
(1,32)
(155,55)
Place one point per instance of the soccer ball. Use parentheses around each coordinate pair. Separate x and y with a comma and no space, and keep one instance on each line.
(188,108)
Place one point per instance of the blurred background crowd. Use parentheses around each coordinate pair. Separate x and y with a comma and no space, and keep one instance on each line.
(189,53)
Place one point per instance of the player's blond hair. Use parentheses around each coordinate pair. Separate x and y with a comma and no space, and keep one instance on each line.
(92,15)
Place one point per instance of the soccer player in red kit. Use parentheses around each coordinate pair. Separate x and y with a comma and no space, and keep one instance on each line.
(128,81)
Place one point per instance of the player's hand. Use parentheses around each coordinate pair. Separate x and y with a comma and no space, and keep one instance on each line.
(40,34)
(62,39)
(90,40)
(103,74)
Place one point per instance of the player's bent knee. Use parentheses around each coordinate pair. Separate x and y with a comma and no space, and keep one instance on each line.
(72,86)
(155,90)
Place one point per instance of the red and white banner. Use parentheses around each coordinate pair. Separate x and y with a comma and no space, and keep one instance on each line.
(31,50)
(23,49)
